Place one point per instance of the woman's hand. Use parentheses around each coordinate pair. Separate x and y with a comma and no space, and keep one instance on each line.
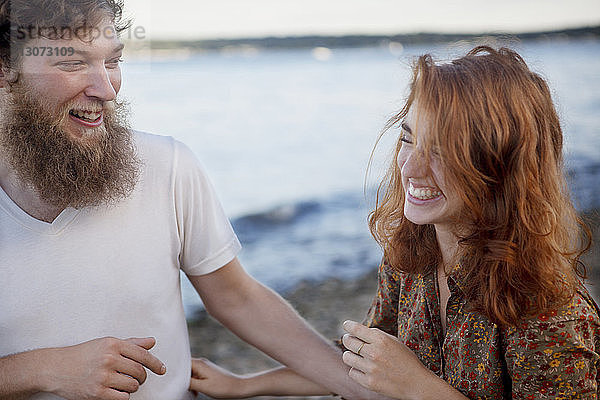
(219,383)
(381,363)
(214,381)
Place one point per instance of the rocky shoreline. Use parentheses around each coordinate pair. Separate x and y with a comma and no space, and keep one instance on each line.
(325,305)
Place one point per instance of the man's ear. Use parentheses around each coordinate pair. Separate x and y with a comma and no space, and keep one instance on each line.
(7,76)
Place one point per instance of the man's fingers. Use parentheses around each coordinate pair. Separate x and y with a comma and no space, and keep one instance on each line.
(124,383)
(144,357)
(132,368)
(146,343)
(113,394)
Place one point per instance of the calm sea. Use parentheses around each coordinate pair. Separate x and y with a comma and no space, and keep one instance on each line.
(286,138)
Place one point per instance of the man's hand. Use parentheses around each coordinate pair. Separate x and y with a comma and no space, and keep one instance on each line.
(106,369)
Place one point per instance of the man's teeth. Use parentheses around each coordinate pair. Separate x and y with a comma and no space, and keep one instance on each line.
(424,193)
(90,116)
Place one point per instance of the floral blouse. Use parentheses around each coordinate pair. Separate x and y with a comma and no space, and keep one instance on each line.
(553,356)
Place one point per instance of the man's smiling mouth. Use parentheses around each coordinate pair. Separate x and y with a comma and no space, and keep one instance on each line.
(87,118)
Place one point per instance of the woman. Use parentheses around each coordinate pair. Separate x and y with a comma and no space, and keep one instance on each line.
(480,292)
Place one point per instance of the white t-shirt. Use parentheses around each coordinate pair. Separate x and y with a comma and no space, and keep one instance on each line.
(114,270)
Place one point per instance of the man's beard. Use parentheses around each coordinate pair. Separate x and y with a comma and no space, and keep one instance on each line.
(102,168)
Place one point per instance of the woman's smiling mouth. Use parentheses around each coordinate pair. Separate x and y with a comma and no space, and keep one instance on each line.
(424,193)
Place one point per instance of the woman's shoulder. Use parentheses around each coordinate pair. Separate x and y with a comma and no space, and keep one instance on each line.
(385,268)
(580,314)
(397,280)
(582,307)
(558,345)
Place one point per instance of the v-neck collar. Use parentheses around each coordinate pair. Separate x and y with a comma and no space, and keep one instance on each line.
(433,302)
(20,216)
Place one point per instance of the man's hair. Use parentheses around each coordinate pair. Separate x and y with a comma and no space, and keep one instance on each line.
(493,123)
(23,20)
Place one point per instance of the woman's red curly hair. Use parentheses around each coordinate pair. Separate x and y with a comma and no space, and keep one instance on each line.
(499,138)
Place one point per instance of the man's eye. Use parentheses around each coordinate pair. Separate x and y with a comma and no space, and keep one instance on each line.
(70,64)
(114,63)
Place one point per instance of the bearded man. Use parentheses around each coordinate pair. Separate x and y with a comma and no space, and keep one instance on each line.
(96,222)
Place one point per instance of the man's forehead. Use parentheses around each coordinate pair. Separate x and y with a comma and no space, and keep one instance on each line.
(104,27)
(84,41)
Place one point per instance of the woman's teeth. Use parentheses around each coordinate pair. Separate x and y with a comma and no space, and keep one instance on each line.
(424,193)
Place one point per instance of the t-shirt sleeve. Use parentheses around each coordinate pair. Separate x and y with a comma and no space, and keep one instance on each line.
(555,355)
(207,240)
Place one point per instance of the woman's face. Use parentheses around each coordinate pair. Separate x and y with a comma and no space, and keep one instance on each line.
(429,198)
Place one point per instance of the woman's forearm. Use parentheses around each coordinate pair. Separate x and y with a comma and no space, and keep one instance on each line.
(217,382)
(282,381)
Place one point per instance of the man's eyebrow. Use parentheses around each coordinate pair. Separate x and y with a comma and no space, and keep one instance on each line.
(405,126)
(86,52)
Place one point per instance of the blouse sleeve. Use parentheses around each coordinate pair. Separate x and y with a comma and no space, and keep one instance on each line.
(383,313)
(555,356)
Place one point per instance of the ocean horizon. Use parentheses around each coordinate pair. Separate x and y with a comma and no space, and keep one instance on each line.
(286,137)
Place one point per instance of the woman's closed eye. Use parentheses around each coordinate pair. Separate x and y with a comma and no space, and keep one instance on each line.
(406,137)
(406,134)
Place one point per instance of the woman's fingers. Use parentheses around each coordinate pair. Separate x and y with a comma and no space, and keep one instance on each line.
(213,380)
(358,376)
(355,345)
(199,366)
(357,362)
(369,335)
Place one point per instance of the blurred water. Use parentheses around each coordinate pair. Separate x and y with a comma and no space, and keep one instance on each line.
(286,137)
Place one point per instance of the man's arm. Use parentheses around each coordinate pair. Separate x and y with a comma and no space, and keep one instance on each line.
(19,377)
(106,368)
(262,318)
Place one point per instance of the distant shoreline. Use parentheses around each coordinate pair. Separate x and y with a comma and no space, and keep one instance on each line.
(296,42)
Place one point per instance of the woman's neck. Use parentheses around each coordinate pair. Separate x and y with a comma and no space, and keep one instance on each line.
(448,243)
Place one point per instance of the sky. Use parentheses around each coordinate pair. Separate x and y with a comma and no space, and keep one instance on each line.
(202,19)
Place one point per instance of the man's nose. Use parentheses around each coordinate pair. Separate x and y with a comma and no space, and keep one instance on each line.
(100,85)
